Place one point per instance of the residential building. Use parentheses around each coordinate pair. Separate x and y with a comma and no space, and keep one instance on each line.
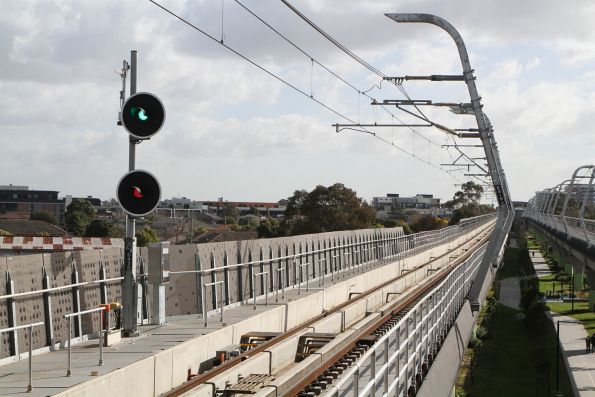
(425,204)
(18,202)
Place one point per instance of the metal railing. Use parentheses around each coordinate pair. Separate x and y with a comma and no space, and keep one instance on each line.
(362,254)
(336,259)
(204,297)
(30,328)
(391,366)
(542,207)
(77,314)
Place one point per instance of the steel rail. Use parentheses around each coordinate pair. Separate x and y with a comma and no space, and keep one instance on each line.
(205,377)
(437,278)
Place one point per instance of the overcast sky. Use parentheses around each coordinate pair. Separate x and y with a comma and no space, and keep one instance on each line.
(233,131)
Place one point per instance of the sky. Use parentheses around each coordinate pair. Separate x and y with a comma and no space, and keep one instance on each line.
(234,131)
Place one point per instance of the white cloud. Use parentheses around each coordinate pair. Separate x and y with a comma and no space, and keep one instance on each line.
(230,126)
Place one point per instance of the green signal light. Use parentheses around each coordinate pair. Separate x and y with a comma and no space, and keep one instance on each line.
(139,113)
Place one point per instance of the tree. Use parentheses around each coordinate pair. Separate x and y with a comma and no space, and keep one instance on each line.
(78,215)
(269,227)
(470,193)
(428,222)
(326,209)
(468,211)
(465,203)
(44,216)
(230,212)
(146,236)
(98,228)
(117,231)
(4,233)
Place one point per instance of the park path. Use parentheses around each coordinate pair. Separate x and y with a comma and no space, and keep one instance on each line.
(580,365)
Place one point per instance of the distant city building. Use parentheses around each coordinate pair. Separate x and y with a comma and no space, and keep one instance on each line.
(18,202)
(425,204)
(182,203)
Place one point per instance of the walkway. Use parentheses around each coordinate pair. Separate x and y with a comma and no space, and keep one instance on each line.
(539,263)
(581,366)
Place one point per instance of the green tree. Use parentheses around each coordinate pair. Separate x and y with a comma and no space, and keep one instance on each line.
(146,236)
(98,228)
(470,193)
(117,231)
(428,222)
(406,227)
(326,209)
(230,212)
(465,203)
(78,215)
(268,228)
(4,233)
(468,211)
(44,216)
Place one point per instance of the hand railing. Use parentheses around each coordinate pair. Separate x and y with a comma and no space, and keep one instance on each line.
(77,314)
(30,328)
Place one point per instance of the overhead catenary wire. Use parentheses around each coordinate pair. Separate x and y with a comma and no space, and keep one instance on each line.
(349,52)
(333,73)
(294,87)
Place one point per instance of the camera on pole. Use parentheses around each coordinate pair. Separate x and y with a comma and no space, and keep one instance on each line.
(138,192)
(143,115)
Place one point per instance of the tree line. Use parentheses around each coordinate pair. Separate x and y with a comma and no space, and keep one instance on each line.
(324,209)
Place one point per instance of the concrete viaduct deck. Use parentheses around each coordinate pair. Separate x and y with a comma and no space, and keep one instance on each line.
(162,356)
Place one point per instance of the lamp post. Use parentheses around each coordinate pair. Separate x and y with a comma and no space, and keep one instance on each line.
(558,353)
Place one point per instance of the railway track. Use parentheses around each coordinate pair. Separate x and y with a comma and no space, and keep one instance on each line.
(333,367)
(358,341)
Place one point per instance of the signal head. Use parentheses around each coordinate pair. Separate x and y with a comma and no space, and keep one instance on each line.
(138,192)
(143,115)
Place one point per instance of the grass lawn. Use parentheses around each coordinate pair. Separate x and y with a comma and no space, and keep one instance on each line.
(513,363)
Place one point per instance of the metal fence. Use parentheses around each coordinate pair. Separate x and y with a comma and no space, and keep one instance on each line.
(273,275)
(397,362)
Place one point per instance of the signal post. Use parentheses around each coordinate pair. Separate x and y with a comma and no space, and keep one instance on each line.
(138,191)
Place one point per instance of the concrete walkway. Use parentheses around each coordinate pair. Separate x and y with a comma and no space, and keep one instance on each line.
(539,263)
(510,292)
(581,366)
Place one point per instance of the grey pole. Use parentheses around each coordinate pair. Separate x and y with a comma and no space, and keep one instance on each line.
(505,209)
(129,283)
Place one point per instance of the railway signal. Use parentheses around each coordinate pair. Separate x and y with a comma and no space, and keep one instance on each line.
(138,192)
(143,115)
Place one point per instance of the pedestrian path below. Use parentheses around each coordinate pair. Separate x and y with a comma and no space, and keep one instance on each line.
(581,366)
(539,263)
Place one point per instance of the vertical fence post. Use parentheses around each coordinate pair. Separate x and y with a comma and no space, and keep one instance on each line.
(76,300)
(226,279)
(221,301)
(30,386)
(199,289)
(101,314)
(69,370)
(47,309)
(102,285)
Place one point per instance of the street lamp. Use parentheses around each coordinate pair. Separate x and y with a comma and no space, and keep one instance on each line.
(558,352)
